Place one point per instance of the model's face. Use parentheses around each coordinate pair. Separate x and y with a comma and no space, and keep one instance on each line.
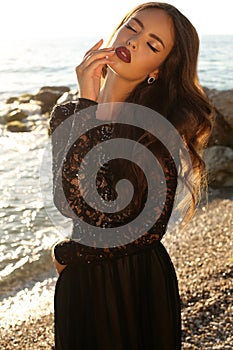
(149,36)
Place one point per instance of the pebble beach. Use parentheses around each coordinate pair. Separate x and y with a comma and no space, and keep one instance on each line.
(203,257)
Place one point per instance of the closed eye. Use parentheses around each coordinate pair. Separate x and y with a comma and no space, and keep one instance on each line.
(152,48)
(131,28)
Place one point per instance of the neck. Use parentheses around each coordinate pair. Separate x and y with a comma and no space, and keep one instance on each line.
(115,89)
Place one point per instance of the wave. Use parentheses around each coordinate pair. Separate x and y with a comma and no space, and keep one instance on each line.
(25,271)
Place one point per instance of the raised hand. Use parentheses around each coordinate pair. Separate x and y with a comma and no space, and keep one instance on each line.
(89,70)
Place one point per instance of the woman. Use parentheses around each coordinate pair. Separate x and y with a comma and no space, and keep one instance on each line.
(126,296)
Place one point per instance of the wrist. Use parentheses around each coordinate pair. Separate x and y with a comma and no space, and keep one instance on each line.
(87,100)
(88,96)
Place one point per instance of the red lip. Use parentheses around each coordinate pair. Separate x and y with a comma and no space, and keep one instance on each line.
(123,53)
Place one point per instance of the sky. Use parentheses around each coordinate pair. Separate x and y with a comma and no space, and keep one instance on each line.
(71,18)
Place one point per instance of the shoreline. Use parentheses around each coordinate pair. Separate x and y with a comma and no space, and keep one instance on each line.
(202,254)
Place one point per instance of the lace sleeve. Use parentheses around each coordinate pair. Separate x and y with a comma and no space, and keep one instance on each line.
(60,131)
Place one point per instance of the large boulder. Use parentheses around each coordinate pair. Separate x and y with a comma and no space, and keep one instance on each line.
(223,102)
(222,133)
(218,155)
(68,96)
(219,165)
(48,96)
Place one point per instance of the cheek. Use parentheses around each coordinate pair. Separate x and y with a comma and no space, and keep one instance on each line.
(146,65)
(118,38)
(153,63)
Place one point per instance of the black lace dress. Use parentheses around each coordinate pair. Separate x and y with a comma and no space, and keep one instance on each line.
(113,297)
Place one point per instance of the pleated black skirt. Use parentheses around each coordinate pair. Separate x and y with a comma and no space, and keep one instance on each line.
(126,303)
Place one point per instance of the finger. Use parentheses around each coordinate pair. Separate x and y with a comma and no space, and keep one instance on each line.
(104,53)
(93,66)
(97,63)
(95,47)
(98,44)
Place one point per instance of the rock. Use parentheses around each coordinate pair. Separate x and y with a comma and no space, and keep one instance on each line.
(223,102)
(219,153)
(68,96)
(219,164)
(60,89)
(17,126)
(25,98)
(222,133)
(11,99)
(32,108)
(16,115)
(49,95)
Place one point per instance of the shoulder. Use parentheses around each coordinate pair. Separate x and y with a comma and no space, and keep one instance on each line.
(59,113)
(64,109)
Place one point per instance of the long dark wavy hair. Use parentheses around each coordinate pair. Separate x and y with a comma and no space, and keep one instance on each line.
(178,96)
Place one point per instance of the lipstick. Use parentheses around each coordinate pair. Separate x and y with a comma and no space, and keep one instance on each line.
(123,53)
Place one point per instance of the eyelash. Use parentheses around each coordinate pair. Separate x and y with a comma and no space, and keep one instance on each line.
(129,27)
(150,46)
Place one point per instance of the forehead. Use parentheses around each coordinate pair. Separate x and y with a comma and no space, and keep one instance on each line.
(158,22)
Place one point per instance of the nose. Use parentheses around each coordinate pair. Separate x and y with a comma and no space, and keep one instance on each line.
(132,43)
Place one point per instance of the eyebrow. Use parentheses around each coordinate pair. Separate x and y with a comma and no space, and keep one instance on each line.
(156,37)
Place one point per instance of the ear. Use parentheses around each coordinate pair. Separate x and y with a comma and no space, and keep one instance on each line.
(155,74)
